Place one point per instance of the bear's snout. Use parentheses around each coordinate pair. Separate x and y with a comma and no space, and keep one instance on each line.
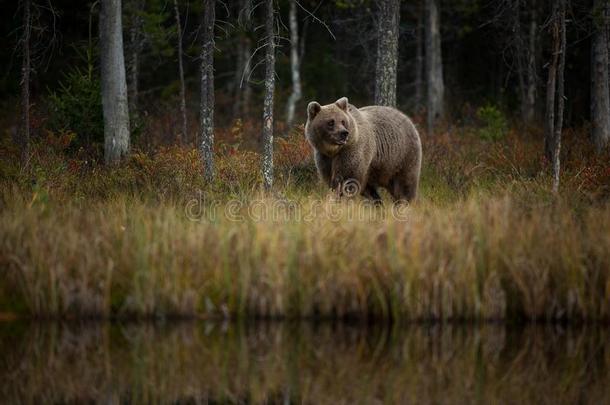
(343,134)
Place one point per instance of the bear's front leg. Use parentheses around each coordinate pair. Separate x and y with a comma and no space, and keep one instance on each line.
(324,166)
(347,180)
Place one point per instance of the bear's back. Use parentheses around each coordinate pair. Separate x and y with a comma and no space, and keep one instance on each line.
(396,139)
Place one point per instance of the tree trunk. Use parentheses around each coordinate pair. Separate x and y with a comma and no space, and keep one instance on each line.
(523,53)
(247,55)
(600,96)
(269,90)
(550,95)
(529,111)
(519,54)
(242,88)
(181,72)
(387,52)
(434,65)
(555,91)
(295,65)
(114,88)
(207,89)
(419,58)
(135,48)
(26,68)
(560,96)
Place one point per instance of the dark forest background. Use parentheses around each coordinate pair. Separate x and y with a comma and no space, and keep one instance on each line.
(477,44)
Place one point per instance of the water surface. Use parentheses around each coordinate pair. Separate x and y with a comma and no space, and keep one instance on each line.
(201,362)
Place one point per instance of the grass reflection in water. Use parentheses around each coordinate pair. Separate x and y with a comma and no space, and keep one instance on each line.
(301,363)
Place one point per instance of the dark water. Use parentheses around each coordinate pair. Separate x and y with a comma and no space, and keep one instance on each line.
(198,362)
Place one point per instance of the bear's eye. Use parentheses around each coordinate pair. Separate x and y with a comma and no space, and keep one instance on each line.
(343,122)
(331,123)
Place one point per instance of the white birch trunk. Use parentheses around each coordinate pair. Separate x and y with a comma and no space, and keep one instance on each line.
(295,65)
(207,89)
(387,52)
(269,90)
(114,88)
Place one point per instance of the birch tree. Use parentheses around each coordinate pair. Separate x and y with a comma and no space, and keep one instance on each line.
(269,90)
(600,96)
(207,89)
(435,86)
(387,52)
(295,63)
(114,88)
(181,73)
(26,68)
(555,90)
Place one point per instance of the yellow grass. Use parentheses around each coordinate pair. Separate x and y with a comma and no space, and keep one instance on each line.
(482,257)
(485,240)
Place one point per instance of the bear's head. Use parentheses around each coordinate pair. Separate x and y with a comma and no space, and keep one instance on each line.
(330,127)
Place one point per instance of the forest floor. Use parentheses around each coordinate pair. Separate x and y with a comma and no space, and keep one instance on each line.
(486,239)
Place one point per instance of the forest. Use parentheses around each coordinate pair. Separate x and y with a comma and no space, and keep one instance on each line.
(154,161)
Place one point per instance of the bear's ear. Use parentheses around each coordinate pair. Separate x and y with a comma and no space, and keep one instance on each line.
(313,109)
(342,103)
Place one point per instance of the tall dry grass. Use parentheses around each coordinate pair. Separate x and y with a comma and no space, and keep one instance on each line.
(480,258)
(486,240)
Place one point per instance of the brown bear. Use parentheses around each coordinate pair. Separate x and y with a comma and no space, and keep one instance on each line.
(357,150)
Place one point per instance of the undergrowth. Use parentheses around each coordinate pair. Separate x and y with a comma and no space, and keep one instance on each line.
(486,238)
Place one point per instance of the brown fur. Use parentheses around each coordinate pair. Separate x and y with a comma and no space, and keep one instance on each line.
(382,148)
